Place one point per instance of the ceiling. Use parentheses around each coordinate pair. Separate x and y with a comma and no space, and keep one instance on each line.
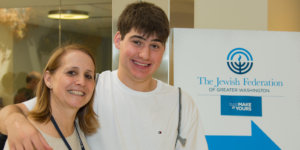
(99,23)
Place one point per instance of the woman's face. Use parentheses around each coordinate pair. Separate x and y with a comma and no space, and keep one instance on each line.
(72,84)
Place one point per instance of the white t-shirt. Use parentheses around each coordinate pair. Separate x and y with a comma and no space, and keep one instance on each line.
(133,120)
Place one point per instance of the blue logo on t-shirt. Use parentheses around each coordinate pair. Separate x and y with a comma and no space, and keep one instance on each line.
(239,61)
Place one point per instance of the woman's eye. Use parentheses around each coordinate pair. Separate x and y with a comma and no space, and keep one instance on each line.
(89,76)
(71,73)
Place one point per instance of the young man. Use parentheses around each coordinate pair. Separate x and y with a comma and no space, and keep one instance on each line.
(136,111)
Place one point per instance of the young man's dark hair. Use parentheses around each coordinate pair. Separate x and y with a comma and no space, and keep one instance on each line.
(144,18)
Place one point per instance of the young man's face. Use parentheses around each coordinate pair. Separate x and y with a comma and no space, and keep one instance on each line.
(140,55)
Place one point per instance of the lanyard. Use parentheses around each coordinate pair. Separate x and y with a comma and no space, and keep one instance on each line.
(62,136)
(181,140)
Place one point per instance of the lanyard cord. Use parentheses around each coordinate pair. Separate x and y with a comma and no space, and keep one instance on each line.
(63,137)
(81,144)
(179,138)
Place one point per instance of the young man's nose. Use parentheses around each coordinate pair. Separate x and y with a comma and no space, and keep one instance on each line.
(144,53)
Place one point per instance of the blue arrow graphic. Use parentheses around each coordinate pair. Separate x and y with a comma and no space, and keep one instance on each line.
(258,141)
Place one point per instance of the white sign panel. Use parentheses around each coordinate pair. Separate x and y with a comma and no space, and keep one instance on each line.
(245,83)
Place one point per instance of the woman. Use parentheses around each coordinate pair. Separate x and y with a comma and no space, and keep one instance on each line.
(64,94)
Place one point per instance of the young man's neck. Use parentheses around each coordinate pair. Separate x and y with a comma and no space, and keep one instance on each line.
(138,85)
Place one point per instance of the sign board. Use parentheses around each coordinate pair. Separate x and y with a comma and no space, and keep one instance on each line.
(245,83)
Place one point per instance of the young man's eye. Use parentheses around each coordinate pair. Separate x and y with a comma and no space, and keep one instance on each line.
(155,46)
(137,42)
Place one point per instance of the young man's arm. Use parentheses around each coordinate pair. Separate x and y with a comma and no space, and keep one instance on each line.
(21,133)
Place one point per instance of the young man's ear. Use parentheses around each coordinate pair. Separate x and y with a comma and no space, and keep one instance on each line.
(117,39)
(47,79)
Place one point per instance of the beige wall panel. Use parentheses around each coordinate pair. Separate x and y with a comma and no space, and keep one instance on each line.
(231,14)
(182,13)
(284,15)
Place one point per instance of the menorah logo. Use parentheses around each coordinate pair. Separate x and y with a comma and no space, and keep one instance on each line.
(239,61)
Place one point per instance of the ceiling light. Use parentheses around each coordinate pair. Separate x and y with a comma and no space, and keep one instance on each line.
(68,14)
